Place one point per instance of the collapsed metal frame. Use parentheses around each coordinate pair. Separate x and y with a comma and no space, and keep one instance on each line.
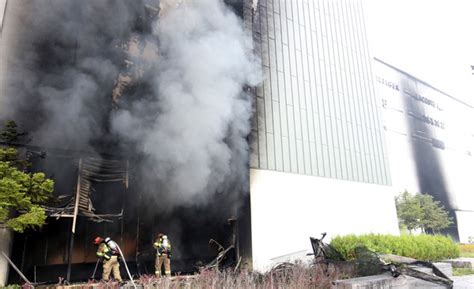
(91,170)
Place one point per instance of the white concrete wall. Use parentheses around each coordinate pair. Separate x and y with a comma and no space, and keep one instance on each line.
(288,208)
(465,226)
(401,163)
(3,4)
(6,238)
(13,14)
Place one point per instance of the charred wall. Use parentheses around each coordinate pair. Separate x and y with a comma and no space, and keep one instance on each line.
(43,255)
(426,147)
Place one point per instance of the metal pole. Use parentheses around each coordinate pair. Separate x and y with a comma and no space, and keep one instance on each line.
(123,204)
(16,268)
(137,237)
(126,175)
(23,254)
(95,269)
(46,252)
(74,219)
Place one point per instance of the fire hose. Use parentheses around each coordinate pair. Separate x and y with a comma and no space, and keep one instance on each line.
(126,267)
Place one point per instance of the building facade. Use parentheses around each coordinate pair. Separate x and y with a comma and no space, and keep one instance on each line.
(318,156)
(332,143)
(430,143)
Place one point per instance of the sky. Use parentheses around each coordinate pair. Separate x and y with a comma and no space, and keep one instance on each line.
(432,40)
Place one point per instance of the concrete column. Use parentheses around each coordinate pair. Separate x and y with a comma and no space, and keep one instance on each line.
(6,241)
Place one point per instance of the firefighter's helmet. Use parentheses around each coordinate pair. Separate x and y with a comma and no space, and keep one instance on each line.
(98,240)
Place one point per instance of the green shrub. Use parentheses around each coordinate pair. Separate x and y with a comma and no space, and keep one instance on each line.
(421,247)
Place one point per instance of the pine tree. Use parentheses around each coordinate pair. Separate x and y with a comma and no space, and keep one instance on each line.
(10,134)
(21,193)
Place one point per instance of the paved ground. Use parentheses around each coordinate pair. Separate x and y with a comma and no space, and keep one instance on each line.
(467,281)
(463,282)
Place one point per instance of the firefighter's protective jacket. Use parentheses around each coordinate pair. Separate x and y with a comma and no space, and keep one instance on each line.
(104,252)
(108,248)
(163,247)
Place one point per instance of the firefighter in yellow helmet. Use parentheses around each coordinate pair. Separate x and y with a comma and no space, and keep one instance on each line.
(163,255)
(108,251)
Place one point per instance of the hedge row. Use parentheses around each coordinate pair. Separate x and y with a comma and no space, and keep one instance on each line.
(421,247)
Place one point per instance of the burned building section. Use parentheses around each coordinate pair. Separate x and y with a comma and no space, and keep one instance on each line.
(429,143)
(83,81)
(425,143)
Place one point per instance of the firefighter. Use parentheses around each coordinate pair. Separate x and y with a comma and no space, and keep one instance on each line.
(163,255)
(109,252)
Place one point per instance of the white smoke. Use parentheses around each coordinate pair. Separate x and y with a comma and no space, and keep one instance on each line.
(193,129)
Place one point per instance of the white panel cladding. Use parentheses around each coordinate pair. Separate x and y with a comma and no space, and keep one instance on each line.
(316,108)
(287,209)
(465,221)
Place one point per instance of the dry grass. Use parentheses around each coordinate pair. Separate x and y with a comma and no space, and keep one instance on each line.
(467,250)
(298,276)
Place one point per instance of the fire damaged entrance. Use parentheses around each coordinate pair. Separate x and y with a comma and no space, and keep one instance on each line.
(122,209)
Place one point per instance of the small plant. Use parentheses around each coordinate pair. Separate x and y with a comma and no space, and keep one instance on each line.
(462,271)
(12,286)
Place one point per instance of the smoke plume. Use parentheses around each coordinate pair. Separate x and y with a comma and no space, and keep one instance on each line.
(193,126)
(61,65)
(167,78)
